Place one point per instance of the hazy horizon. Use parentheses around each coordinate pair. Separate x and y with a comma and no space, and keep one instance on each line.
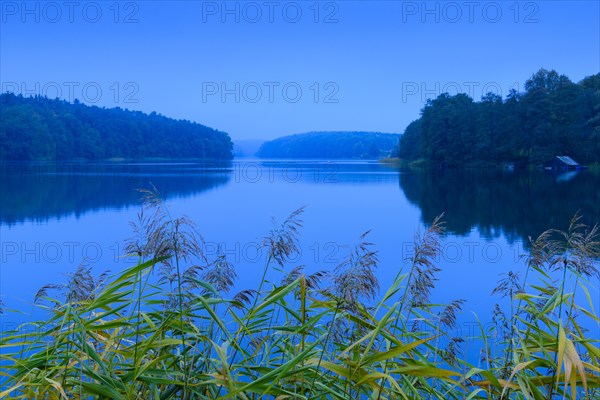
(263,70)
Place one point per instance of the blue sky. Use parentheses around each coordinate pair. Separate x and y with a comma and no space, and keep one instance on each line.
(265,69)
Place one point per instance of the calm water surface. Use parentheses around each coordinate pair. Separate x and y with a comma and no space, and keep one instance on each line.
(54,217)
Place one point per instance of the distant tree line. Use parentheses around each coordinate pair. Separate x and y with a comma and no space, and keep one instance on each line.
(39,128)
(552,117)
(331,145)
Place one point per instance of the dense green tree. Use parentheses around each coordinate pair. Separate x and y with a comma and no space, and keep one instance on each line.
(412,141)
(488,134)
(448,128)
(553,116)
(38,128)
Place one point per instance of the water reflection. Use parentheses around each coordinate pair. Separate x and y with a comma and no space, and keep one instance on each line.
(516,205)
(38,192)
(496,203)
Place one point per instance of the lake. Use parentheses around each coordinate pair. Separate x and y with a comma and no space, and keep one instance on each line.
(54,217)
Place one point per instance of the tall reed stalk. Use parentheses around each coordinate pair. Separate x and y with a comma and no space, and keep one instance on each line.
(167,327)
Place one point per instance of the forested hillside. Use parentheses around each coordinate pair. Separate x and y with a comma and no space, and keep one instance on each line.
(38,128)
(331,145)
(552,117)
